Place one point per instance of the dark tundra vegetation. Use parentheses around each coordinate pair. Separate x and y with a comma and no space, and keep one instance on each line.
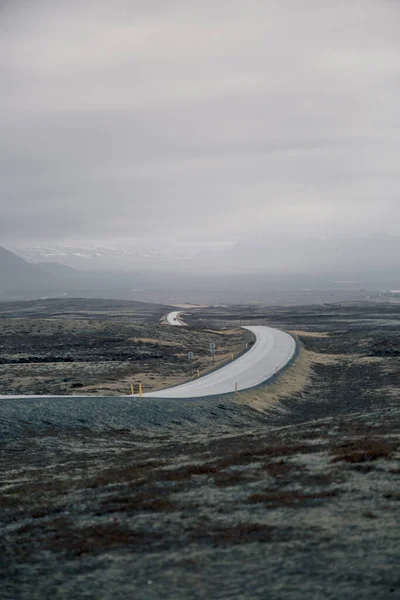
(288,491)
(103,347)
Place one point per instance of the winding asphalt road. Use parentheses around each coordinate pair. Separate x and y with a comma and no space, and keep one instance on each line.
(272,351)
(173,318)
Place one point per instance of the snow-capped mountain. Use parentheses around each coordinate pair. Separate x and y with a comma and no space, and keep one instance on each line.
(95,257)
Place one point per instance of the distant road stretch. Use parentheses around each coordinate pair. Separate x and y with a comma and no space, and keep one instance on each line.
(173,318)
(272,351)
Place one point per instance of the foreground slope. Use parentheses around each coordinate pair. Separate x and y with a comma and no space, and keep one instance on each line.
(152,498)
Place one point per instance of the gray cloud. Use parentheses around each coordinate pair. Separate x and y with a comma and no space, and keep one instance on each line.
(189,119)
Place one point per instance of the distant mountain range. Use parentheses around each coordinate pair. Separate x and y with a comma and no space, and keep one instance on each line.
(19,278)
(100,258)
(16,275)
(268,253)
(370,263)
(22,279)
(289,255)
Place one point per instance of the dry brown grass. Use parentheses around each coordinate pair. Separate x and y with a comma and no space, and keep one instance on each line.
(281,469)
(157,341)
(330,359)
(364,450)
(94,539)
(226,331)
(293,380)
(149,381)
(309,334)
(392,391)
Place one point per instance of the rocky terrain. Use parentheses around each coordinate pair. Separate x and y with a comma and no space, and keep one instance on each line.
(285,492)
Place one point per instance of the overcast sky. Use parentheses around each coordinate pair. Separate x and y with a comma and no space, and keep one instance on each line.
(198,120)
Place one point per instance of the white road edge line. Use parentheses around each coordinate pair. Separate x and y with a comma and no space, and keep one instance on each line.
(271,352)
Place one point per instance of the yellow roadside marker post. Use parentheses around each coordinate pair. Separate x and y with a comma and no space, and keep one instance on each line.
(132,390)
(236,387)
(198,372)
(140,390)
(232,355)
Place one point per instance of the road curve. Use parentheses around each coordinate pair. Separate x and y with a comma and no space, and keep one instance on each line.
(272,351)
(173,318)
